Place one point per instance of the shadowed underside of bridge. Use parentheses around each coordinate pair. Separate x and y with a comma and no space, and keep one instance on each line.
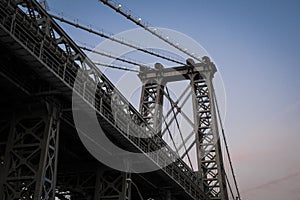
(41,154)
(25,121)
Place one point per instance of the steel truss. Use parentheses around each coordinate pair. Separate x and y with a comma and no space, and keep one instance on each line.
(151,104)
(209,155)
(98,184)
(29,168)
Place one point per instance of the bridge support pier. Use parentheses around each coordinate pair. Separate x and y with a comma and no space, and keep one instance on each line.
(29,165)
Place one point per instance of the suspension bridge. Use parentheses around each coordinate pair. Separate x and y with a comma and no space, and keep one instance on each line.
(41,153)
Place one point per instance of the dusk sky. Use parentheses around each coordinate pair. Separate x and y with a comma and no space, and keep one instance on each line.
(256,46)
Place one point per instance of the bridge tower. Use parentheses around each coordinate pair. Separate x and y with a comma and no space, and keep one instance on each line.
(208,149)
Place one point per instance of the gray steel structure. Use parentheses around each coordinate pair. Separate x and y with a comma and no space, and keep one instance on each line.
(41,156)
(210,161)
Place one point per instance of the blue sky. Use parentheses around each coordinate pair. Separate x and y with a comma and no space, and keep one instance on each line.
(256,46)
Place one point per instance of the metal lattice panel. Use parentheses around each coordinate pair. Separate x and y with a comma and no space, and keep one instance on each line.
(151,104)
(210,161)
(31,156)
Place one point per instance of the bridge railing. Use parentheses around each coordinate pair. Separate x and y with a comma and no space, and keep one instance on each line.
(41,36)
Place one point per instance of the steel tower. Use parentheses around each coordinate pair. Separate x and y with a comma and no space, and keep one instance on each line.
(200,75)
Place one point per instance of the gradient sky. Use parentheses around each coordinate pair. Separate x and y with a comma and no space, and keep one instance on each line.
(256,46)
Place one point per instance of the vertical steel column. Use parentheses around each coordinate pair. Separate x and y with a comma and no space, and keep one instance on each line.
(29,169)
(151,104)
(210,161)
(218,151)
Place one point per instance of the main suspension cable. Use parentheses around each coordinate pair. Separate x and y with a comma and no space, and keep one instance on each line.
(114,57)
(116,67)
(138,21)
(230,188)
(226,146)
(103,35)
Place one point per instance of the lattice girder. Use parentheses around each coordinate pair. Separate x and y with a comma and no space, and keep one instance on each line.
(29,169)
(210,161)
(151,104)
